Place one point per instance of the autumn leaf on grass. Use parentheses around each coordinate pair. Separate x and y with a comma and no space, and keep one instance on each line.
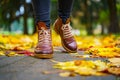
(11,54)
(83,67)
(114,70)
(114,62)
(2,53)
(104,52)
(18,53)
(27,53)
(2,47)
(67,74)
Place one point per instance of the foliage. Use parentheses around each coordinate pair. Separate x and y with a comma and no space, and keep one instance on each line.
(87,68)
(87,12)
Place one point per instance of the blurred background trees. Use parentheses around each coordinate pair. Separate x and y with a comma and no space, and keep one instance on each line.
(88,16)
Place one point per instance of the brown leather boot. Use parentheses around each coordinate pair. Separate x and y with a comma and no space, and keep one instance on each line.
(67,39)
(44,47)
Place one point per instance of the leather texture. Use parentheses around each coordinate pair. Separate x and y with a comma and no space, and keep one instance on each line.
(44,45)
(67,39)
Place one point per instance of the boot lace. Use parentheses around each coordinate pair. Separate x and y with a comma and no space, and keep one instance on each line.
(44,36)
(67,31)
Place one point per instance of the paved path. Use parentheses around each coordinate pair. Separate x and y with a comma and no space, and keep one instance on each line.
(30,68)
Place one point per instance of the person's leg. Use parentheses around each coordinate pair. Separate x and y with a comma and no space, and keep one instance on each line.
(42,11)
(62,26)
(64,9)
(42,17)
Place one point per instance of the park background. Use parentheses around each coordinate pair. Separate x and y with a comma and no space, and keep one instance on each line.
(89,17)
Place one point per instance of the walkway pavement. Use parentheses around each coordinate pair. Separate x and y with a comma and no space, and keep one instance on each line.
(30,68)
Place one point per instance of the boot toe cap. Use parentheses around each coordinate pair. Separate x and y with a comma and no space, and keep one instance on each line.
(73,46)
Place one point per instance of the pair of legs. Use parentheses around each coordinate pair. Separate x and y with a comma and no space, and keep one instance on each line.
(42,10)
(62,27)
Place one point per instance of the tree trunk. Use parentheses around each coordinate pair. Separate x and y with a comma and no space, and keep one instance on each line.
(88,18)
(114,26)
(34,28)
(25,19)
(102,32)
(9,28)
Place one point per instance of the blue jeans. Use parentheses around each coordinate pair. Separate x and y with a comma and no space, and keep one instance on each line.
(42,10)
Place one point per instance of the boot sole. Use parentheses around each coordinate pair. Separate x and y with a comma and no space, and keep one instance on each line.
(43,56)
(67,49)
